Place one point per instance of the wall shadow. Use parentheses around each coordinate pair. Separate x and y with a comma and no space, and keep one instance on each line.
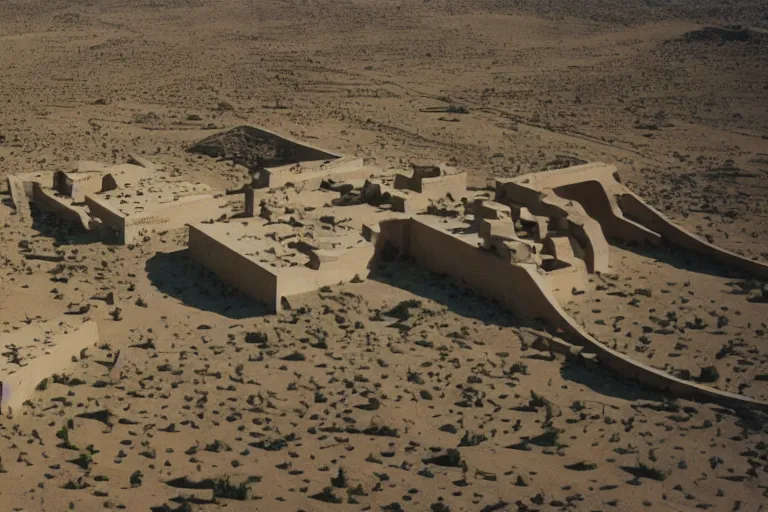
(605,383)
(49,225)
(406,275)
(683,259)
(178,276)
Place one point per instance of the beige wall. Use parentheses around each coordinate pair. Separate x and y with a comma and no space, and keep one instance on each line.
(593,198)
(185,210)
(23,380)
(298,280)
(439,186)
(586,229)
(311,180)
(112,218)
(405,182)
(210,250)
(638,210)
(77,184)
(171,216)
(19,198)
(516,287)
(454,184)
(509,191)
(49,202)
(627,368)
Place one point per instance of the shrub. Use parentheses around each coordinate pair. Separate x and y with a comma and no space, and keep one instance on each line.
(136,478)
(223,488)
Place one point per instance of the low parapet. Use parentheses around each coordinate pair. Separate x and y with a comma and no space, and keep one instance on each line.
(77,184)
(154,216)
(124,176)
(310,175)
(37,352)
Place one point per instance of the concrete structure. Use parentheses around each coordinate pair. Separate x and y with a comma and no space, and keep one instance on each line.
(528,247)
(36,352)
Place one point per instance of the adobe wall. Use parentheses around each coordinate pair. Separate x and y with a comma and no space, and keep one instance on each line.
(77,184)
(440,186)
(435,187)
(637,209)
(100,209)
(620,213)
(28,179)
(124,175)
(48,202)
(310,179)
(593,198)
(22,380)
(210,249)
(515,286)
(521,289)
(626,367)
(595,171)
(19,198)
(405,182)
(186,210)
(584,227)
(297,280)
(508,191)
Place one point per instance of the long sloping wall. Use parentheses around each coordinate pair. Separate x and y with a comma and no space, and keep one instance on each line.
(643,213)
(521,289)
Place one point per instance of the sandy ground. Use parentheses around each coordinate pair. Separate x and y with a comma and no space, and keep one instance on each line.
(208,386)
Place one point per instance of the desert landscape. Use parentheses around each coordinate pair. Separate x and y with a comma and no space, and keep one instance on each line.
(399,255)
